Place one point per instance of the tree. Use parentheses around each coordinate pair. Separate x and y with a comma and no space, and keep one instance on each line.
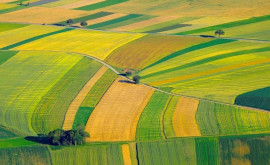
(69,137)
(219,32)
(136,79)
(84,23)
(69,21)
(128,73)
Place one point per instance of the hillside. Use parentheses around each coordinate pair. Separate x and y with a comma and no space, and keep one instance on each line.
(201,99)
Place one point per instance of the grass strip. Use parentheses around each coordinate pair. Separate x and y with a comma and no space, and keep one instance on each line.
(189,49)
(36,38)
(259,98)
(229,25)
(171,27)
(5,55)
(101,5)
(113,21)
(88,17)
(10,26)
(209,59)
(149,125)
(51,110)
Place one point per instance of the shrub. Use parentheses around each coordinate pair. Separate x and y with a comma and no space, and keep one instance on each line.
(69,137)
(83,23)
(136,79)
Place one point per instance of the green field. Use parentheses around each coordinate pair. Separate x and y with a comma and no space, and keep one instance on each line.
(258,99)
(150,123)
(50,112)
(218,119)
(23,89)
(202,99)
(93,97)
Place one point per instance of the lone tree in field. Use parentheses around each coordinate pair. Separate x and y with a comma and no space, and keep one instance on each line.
(69,137)
(219,32)
(136,79)
(84,23)
(69,22)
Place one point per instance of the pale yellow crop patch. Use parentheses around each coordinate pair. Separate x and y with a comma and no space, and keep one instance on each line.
(94,43)
(20,34)
(41,15)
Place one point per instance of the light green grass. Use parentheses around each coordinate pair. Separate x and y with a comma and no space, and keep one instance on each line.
(207,151)
(150,123)
(10,26)
(25,155)
(5,55)
(168,116)
(105,154)
(29,76)
(50,111)
(180,151)
(218,119)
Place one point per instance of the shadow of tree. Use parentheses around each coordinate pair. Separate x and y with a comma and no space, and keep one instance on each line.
(38,139)
(126,81)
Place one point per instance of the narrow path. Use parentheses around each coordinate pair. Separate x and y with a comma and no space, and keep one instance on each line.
(155,88)
(186,35)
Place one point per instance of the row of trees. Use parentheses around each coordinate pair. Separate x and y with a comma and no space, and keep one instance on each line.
(69,137)
(70,21)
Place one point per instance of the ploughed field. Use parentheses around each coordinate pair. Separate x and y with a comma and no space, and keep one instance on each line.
(200,100)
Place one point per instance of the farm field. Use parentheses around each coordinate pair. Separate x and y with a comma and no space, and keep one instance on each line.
(151,82)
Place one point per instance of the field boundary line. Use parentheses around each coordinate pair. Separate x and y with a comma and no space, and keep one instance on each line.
(128,32)
(155,88)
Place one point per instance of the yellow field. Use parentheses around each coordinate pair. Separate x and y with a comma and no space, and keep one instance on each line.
(80,3)
(184,118)
(203,22)
(6,1)
(16,35)
(95,43)
(126,154)
(59,3)
(223,8)
(74,106)
(212,71)
(141,24)
(103,19)
(116,116)
(6,6)
(41,15)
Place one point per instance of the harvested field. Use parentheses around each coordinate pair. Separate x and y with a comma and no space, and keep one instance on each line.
(115,117)
(74,106)
(111,22)
(41,2)
(142,24)
(101,4)
(105,18)
(142,52)
(93,16)
(184,120)
(59,3)
(80,3)
(48,15)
